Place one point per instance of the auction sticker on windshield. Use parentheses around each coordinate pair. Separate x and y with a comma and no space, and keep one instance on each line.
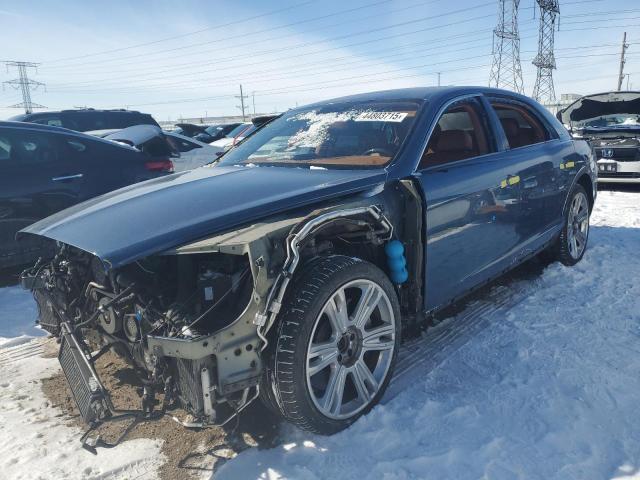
(381,117)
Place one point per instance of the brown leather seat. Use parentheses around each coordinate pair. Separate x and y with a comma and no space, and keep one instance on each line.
(511,131)
(452,145)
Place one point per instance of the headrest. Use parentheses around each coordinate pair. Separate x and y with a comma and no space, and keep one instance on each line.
(454,140)
(510,127)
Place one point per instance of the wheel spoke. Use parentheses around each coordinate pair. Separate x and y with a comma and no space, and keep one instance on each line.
(336,311)
(366,305)
(373,339)
(332,399)
(581,237)
(321,355)
(360,375)
(363,371)
(582,216)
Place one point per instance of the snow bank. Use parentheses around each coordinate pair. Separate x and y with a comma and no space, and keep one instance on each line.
(36,444)
(548,391)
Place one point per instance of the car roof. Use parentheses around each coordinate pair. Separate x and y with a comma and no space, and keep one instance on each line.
(82,110)
(421,93)
(51,129)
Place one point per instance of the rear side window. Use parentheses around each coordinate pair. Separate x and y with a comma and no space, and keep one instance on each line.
(181,145)
(18,148)
(53,121)
(521,126)
(85,121)
(461,132)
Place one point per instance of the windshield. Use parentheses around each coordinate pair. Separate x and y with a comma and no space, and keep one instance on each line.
(618,119)
(239,129)
(334,135)
(213,130)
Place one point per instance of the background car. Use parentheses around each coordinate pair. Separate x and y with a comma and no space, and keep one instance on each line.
(85,119)
(175,151)
(611,123)
(234,136)
(46,169)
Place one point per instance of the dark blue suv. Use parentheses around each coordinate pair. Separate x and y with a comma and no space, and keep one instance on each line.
(46,169)
(88,119)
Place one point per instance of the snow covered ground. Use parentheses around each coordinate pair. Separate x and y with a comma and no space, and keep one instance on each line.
(545,387)
(549,390)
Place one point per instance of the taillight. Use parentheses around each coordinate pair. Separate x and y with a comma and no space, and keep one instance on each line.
(160,166)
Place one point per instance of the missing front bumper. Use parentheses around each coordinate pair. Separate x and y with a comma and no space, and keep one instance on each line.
(86,388)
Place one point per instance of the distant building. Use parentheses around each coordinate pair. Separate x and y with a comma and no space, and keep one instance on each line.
(565,99)
(170,124)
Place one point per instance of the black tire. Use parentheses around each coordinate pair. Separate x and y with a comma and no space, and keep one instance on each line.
(284,387)
(561,250)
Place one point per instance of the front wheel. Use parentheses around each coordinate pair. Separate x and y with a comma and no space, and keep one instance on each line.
(336,345)
(572,242)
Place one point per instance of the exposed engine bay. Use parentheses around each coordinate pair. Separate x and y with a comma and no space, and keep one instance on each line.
(192,321)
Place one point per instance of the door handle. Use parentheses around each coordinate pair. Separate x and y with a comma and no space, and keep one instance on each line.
(66,177)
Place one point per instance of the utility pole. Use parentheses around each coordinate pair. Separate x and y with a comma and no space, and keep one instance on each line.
(242,98)
(623,60)
(545,60)
(24,84)
(439,73)
(506,71)
(253,98)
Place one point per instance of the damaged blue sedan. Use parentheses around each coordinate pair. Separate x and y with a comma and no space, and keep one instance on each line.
(288,271)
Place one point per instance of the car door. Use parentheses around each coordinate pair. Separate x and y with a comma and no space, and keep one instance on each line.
(37,180)
(543,172)
(470,184)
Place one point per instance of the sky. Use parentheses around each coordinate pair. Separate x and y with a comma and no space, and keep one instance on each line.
(188,59)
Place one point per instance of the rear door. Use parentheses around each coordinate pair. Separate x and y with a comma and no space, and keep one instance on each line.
(37,180)
(470,186)
(545,167)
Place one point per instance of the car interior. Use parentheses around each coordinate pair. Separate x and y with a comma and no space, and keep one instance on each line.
(459,134)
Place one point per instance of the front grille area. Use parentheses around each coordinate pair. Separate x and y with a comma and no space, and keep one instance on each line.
(85,386)
(620,154)
(618,175)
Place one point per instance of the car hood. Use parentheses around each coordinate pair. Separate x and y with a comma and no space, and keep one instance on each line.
(150,217)
(597,105)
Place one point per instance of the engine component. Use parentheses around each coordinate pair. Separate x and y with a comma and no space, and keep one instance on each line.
(192,376)
(109,320)
(396,262)
(130,327)
(212,286)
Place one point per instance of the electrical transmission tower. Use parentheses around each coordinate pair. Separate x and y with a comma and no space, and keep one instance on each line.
(545,60)
(505,69)
(24,84)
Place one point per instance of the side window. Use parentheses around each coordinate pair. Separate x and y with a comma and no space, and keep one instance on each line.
(53,121)
(460,133)
(521,126)
(27,149)
(181,145)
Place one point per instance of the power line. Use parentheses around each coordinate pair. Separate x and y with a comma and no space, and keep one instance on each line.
(366,31)
(195,32)
(217,67)
(257,32)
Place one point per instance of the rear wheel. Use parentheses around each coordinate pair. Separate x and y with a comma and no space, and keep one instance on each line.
(572,242)
(336,345)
